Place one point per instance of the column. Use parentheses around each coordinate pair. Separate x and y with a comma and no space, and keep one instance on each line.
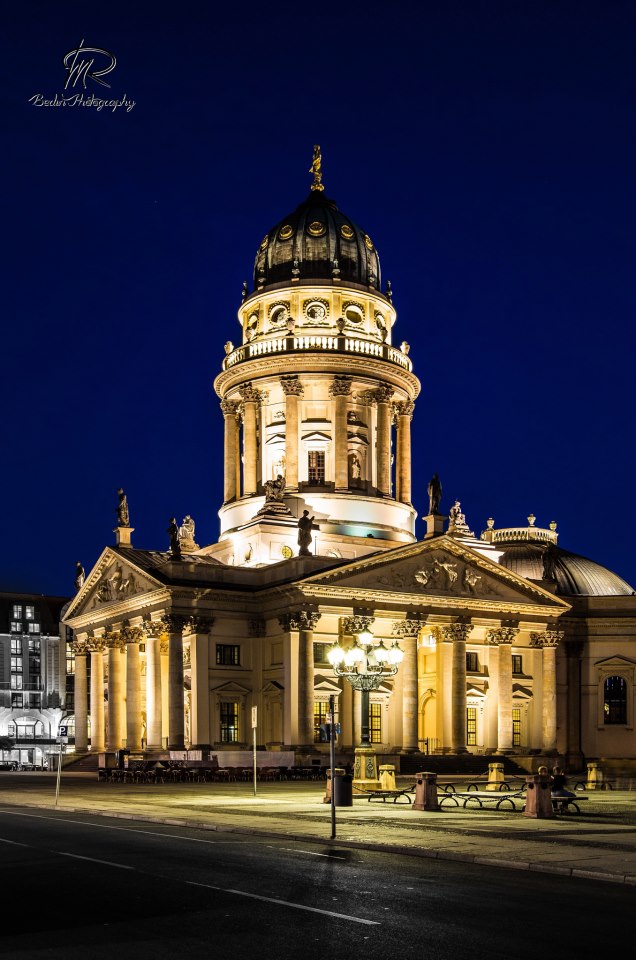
(383,439)
(293,389)
(340,390)
(153,630)
(408,630)
(96,647)
(457,633)
(304,622)
(200,734)
(165,674)
(80,650)
(404,413)
(573,753)
(133,636)
(549,640)
(251,398)
(231,485)
(176,727)
(115,643)
(502,637)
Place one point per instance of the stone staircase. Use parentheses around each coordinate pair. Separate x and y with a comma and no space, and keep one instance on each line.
(81,763)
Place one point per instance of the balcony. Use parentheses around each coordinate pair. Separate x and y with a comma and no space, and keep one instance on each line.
(317,343)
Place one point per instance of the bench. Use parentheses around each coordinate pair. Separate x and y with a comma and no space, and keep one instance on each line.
(501,786)
(482,800)
(563,804)
(602,785)
(384,795)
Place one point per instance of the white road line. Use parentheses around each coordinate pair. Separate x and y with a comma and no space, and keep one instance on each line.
(14,843)
(110,826)
(107,863)
(310,853)
(286,903)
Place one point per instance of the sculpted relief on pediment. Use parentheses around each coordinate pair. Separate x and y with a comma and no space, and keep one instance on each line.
(117,582)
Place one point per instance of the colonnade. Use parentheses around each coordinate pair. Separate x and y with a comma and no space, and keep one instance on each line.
(116,711)
(246,413)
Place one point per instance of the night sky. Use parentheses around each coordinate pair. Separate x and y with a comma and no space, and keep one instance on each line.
(489,150)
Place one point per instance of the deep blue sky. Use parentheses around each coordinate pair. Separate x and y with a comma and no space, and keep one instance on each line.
(488,148)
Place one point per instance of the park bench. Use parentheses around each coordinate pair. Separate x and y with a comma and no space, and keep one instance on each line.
(384,795)
(482,800)
(510,783)
(563,804)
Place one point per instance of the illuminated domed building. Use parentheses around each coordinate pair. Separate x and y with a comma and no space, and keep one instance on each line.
(509,644)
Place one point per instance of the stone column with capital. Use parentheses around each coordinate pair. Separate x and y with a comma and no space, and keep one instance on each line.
(200,733)
(115,644)
(80,651)
(340,391)
(153,630)
(231,486)
(502,637)
(251,399)
(457,634)
(409,630)
(549,641)
(404,413)
(382,397)
(304,622)
(96,647)
(132,637)
(293,390)
(174,625)
(573,751)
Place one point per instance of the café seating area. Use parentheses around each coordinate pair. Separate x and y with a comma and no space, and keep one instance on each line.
(143,772)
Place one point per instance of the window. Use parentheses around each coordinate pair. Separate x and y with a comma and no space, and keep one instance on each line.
(16,647)
(228,654)
(229,722)
(34,628)
(16,700)
(316,466)
(471,726)
(615,700)
(16,664)
(516,724)
(320,652)
(34,646)
(517,663)
(29,612)
(16,627)
(70,662)
(471,663)
(17,611)
(16,681)
(375,722)
(321,709)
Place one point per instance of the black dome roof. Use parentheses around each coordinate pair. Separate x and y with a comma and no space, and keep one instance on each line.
(575,576)
(316,242)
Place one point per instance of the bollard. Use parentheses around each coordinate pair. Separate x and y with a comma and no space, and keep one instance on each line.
(425,792)
(538,798)
(387,777)
(495,776)
(339,772)
(595,777)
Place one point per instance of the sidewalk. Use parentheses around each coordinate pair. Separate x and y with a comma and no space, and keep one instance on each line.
(600,843)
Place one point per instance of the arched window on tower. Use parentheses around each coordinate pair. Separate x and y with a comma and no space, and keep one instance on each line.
(615,700)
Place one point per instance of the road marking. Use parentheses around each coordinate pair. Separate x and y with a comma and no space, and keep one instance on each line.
(286,903)
(14,843)
(311,853)
(108,863)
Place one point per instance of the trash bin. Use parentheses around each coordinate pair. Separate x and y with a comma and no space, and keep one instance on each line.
(343,790)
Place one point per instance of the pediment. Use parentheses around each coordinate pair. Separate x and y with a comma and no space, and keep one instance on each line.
(316,435)
(324,684)
(112,580)
(231,687)
(615,661)
(438,569)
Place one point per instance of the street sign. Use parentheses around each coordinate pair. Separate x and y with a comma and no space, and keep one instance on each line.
(61,739)
(62,731)
(254,718)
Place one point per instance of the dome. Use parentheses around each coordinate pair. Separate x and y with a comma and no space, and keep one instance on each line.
(316,242)
(575,576)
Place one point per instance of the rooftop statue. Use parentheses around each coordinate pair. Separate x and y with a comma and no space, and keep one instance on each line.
(316,169)
(434,494)
(80,576)
(123,516)
(305,526)
(173,533)
(274,489)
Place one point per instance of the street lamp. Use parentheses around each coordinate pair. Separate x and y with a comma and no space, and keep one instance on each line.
(365,664)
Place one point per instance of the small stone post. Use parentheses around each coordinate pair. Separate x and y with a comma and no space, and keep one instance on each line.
(495,776)
(595,777)
(387,777)
(538,798)
(426,792)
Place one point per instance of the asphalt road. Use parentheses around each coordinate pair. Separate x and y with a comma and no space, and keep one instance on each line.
(93,888)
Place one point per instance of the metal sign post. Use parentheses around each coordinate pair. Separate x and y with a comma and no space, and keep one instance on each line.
(61,738)
(254,725)
(332,761)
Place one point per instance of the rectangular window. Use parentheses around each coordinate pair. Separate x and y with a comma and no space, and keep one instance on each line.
(229,722)
(70,662)
(16,627)
(29,612)
(34,646)
(321,709)
(228,654)
(320,652)
(16,681)
(471,726)
(316,466)
(375,722)
(17,611)
(471,663)
(16,664)
(17,700)
(16,647)
(516,726)
(34,628)
(517,663)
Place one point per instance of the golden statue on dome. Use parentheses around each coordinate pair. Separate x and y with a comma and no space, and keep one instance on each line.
(316,169)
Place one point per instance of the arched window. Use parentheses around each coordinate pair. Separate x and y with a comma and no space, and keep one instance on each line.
(615,700)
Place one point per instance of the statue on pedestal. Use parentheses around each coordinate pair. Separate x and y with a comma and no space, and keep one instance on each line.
(305,526)
(274,489)
(123,516)
(186,535)
(80,576)
(173,533)
(434,494)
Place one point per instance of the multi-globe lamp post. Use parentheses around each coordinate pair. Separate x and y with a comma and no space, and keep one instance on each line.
(366,664)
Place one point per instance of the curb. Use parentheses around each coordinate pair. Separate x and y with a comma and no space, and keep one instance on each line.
(428,854)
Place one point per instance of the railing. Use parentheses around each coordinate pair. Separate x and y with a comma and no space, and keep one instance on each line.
(321,342)
(524,533)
